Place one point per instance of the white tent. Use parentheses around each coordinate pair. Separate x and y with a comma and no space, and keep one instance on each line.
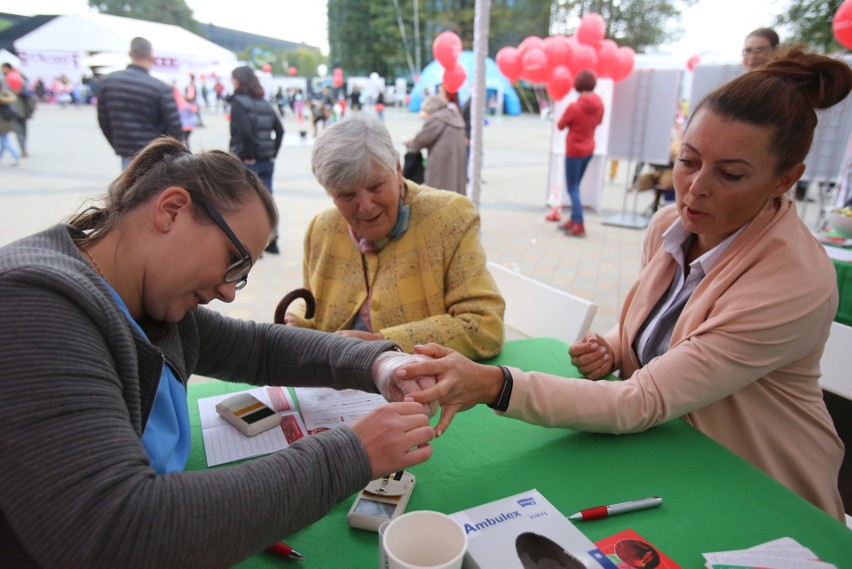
(9,57)
(66,44)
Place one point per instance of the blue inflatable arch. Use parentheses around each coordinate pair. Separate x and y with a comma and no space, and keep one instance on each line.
(433,75)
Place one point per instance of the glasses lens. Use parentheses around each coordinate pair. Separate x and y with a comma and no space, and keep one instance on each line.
(238,272)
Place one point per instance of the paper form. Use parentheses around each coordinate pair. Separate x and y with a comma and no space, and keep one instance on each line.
(223,443)
(324,408)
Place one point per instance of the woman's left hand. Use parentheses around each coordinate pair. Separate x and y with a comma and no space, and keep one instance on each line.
(462,383)
(359,334)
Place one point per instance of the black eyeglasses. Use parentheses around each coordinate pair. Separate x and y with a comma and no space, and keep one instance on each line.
(236,272)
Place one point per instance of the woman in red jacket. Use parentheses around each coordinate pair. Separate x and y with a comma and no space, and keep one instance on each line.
(581,118)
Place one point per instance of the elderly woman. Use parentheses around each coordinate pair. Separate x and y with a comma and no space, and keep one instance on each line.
(443,135)
(393,260)
(714,330)
(103,327)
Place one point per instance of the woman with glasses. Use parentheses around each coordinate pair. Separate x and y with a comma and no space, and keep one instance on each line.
(394,260)
(726,323)
(760,46)
(103,323)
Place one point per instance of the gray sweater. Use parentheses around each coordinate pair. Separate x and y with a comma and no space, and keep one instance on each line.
(77,383)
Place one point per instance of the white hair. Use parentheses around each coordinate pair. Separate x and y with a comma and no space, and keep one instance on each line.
(344,153)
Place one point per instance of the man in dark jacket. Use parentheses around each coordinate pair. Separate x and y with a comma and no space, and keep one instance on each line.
(135,108)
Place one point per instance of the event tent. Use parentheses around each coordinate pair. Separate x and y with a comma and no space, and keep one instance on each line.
(65,44)
(495,83)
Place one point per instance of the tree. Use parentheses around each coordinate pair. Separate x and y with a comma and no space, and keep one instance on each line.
(640,24)
(174,12)
(810,23)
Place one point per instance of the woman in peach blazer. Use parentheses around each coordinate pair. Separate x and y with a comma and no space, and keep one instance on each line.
(727,321)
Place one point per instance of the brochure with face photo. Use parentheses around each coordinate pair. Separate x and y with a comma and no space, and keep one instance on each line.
(526,531)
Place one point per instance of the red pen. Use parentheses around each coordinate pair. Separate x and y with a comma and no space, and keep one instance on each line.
(622,508)
(284,550)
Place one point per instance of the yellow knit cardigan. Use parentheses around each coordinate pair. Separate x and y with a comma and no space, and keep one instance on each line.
(431,285)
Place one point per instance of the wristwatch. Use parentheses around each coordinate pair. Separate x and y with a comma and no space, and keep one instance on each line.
(506,393)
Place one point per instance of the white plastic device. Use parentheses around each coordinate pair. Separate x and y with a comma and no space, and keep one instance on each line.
(248,414)
(382,500)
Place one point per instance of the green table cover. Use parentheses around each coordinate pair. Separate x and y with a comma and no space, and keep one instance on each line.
(844,287)
(713,501)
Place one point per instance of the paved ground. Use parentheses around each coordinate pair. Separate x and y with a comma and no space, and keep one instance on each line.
(71,162)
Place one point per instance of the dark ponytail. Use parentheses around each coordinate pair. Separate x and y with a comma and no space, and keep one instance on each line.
(783,95)
(215,176)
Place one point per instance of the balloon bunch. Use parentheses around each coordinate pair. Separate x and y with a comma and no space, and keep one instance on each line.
(337,77)
(446,49)
(556,60)
(292,71)
(692,62)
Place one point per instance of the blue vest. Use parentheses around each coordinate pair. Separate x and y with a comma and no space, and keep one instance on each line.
(166,435)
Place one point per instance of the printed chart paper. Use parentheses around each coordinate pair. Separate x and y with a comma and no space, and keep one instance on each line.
(324,408)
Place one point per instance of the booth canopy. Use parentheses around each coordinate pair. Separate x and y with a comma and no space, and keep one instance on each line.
(66,43)
(433,75)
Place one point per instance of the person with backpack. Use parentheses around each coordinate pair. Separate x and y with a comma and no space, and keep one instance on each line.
(256,131)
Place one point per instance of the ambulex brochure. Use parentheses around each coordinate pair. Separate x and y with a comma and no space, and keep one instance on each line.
(526,531)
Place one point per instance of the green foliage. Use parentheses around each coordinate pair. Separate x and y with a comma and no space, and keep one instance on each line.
(364,35)
(174,12)
(304,59)
(640,24)
(810,23)
(5,24)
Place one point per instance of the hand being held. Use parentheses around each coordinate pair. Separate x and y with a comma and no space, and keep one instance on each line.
(592,355)
(395,388)
(462,383)
(395,436)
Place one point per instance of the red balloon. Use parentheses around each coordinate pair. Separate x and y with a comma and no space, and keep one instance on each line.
(692,62)
(292,71)
(530,42)
(841,25)
(623,63)
(583,57)
(509,62)
(607,53)
(338,72)
(591,30)
(14,81)
(454,78)
(535,66)
(337,81)
(560,83)
(446,49)
(267,67)
(557,49)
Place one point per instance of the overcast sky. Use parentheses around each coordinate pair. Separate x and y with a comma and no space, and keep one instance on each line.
(714,29)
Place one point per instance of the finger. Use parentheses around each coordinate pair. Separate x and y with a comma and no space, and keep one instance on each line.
(427,395)
(421,369)
(416,456)
(406,408)
(447,414)
(432,350)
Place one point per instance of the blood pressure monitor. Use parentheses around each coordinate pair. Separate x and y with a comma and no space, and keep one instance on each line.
(381,501)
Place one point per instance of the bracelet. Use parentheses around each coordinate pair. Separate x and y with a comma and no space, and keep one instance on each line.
(506,393)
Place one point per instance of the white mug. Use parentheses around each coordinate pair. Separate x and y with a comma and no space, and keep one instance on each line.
(424,539)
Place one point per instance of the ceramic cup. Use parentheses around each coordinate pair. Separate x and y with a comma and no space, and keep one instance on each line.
(424,539)
(383,557)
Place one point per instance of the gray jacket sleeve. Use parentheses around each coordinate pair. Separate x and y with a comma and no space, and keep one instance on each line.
(77,477)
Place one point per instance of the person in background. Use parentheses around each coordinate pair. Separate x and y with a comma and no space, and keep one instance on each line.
(394,260)
(760,46)
(104,323)
(713,330)
(380,106)
(135,108)
(187,114)
(191,95)
(581,118)
(8,105)
(25,104)
(443,136)
(256,131)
